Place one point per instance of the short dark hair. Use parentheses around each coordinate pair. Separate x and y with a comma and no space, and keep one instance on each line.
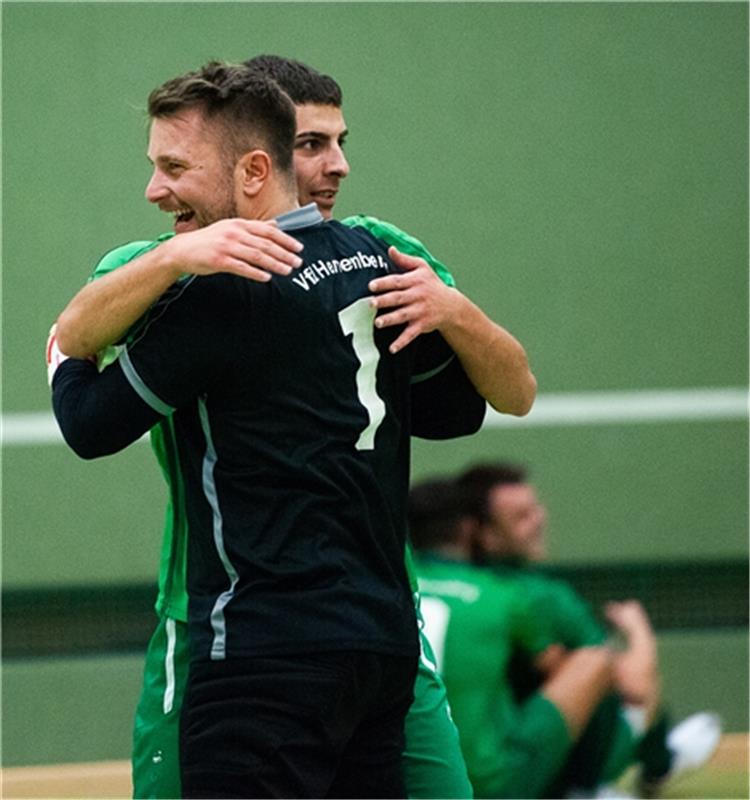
(435,507)
(300,81)
(252,110)
(478,481)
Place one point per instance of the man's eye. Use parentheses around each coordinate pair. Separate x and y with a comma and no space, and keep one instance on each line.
(174,166)
(308,144)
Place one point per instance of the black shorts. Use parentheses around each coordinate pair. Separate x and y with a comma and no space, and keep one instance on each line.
(325,725)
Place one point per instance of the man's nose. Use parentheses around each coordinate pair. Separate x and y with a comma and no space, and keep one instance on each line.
(337,163)
(156,188)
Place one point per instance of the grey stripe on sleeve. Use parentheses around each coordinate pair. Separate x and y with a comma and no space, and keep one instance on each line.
(135,380)
(424,376)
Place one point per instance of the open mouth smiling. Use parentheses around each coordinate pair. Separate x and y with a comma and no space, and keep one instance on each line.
(183,215)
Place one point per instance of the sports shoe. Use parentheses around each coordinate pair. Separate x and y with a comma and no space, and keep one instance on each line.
(693,741)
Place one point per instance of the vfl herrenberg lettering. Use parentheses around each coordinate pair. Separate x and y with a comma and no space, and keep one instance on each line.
(318,270)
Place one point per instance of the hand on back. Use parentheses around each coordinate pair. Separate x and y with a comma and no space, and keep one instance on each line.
(253,249)
(416,297)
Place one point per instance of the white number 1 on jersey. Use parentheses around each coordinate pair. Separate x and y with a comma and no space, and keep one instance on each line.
(358,319)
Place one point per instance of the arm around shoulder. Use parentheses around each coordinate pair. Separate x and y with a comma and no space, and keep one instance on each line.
(493,358)
(103,310)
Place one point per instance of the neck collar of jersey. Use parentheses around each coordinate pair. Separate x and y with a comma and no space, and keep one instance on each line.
(300,218)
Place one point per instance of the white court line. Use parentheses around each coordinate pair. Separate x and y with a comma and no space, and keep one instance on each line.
(588,408)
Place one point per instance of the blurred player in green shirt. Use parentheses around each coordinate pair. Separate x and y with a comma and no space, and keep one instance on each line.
(507,525)
(476,623)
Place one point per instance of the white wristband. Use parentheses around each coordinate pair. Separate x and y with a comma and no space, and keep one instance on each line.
(55,356)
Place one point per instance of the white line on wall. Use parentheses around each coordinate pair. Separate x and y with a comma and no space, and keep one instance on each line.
(617,408)
(550,410)
(25,429)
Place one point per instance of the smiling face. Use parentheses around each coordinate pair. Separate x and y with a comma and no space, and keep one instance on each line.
(191,177)
(319,161)
(515,524)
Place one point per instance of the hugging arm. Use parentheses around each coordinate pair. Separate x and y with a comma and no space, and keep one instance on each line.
(493,359)
(98,413)
(178,352)
(103,310)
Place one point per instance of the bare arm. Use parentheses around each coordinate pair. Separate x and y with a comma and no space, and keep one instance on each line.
(104,309)
(636,668)
(579,682)
(494,360)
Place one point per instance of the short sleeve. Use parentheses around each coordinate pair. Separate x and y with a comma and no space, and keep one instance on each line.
(574,621)
(402,241)
(532,631)
(119,256)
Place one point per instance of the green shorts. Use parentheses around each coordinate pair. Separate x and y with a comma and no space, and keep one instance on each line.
(156,735)
(531,749)
(433,764)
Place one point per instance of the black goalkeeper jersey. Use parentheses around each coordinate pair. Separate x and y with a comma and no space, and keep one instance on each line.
(292,422)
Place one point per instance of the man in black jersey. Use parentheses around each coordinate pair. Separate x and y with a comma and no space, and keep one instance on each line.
(293,424)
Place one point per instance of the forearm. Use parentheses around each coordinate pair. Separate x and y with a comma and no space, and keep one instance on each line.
(104,309)
(494,360)
(98,413)
(637,664)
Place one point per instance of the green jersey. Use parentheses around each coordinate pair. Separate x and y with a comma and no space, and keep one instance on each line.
(172,599)
(402,241)
(474,622)
(571,620)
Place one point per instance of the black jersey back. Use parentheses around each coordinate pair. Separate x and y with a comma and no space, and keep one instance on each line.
(292,420)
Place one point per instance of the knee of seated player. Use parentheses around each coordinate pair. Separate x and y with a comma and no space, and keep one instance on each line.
(579,684)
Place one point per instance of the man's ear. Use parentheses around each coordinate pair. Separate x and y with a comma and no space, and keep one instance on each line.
(480,537)
(252,172)
(468,530)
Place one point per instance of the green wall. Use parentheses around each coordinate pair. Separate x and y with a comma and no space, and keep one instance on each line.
(81,709)
(582,168)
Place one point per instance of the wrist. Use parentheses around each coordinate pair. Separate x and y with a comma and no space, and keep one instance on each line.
(166,262)
(458,314)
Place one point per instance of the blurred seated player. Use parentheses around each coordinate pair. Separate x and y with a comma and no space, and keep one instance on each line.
(105,308)
(475,623)
(507,526)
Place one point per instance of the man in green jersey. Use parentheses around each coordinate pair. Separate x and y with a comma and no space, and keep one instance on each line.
(475,624)
(507,524)
(432,761)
